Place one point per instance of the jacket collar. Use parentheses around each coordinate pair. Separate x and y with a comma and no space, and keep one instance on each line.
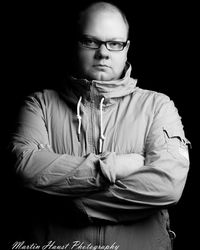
(107,89)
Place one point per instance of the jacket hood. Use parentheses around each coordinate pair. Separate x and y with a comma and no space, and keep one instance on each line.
(106,89)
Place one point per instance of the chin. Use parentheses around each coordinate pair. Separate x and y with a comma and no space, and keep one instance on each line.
(101,77)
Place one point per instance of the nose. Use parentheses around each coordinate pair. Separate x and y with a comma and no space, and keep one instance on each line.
(102,52)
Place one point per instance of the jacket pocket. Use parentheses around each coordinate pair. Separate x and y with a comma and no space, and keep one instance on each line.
(177,144)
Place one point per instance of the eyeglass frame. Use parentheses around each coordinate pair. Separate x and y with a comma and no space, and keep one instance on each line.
(100,42)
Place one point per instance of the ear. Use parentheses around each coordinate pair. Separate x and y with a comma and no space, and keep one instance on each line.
(128,45)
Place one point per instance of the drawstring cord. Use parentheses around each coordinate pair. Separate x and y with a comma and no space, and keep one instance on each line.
(102,137)
(79,117)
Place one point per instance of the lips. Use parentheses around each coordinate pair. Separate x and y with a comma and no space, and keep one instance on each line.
(101,66)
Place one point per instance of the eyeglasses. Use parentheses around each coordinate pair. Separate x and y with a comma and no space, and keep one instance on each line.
(92,43)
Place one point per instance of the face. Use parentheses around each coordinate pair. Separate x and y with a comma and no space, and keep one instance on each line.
(102,64)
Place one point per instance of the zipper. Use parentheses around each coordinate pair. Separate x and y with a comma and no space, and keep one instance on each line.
(92,133)
(91,122)
(100,236)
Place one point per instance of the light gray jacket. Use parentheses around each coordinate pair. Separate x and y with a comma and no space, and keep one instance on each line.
(68,143)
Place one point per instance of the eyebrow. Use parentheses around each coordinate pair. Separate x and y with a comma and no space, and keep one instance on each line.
(111,39)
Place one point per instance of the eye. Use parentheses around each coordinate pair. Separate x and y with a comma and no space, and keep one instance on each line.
(88,42)
(115,45)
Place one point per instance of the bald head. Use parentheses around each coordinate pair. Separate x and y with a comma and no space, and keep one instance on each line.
(101,9)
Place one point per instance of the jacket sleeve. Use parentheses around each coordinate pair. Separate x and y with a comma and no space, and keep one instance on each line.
(42,169)
(159,183)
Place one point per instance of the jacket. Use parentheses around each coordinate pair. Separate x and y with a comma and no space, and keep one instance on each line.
(67,144)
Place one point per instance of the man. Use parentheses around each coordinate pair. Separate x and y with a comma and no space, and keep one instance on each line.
(109,156)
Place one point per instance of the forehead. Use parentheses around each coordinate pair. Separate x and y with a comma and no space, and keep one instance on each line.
(103,24)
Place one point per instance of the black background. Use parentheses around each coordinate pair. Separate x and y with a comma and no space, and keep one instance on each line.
(163,35)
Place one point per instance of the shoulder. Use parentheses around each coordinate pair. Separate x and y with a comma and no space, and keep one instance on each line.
(151,98)
(44,96)
(158,105)
(41,100)
(161,107)
(151,95)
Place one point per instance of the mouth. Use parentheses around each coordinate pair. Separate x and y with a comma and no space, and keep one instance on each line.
(101,66)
